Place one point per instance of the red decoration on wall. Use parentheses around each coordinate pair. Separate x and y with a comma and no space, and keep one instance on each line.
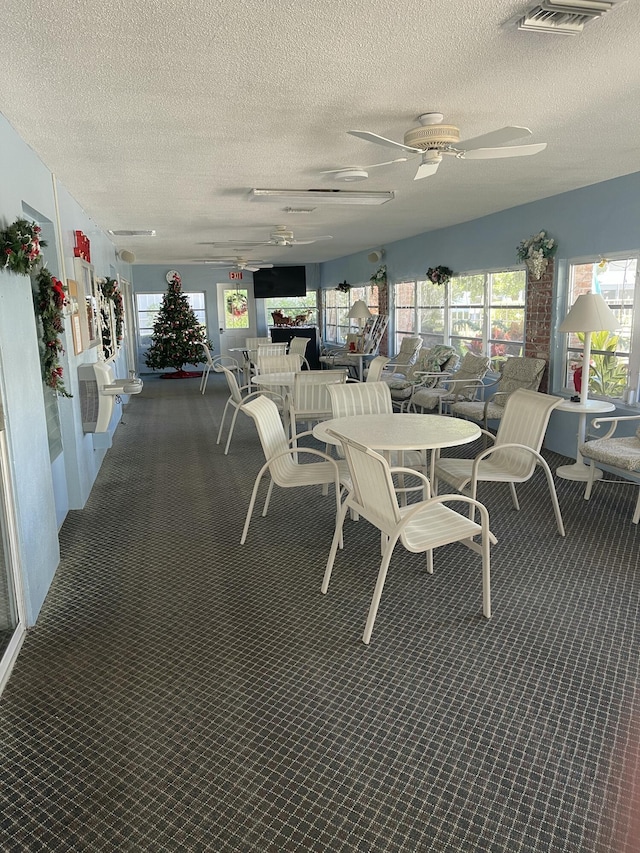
(82,248)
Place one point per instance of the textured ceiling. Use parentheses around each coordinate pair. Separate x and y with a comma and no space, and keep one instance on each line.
(163,115)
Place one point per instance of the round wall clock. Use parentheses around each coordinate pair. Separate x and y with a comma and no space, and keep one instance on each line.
(171,274)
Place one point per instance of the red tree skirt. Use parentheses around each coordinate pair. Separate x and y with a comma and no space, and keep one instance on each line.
(181,374)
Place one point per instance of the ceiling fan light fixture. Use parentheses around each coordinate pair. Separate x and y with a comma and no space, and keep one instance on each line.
(350,175)
(318,196)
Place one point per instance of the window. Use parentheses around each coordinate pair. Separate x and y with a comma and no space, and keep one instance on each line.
(336,306)
(294,308)
(148,305)
(615,356)
(481,313)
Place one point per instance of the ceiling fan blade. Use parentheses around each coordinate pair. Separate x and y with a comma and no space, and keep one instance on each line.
(425,170)
(256,267)
(387,163)
(382,140)
(505,151)
(495,137)
(314,240)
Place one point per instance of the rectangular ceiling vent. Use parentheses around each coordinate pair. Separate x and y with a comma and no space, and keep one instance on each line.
(132,233)
(297,198)
(563,17)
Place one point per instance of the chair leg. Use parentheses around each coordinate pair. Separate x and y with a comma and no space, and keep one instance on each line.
(337,538)
(554,497)
(267,499)
(592,478)
(252,502)
(486,577)
(203,381)
(231,428)
(224,415)
(429,554)
(636,514)
(514,496)
(377,593)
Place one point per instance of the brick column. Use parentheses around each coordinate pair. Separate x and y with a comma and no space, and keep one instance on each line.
(383,311)
(537,337)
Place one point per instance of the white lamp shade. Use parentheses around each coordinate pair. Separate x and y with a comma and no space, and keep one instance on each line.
(589,313)
(359,311)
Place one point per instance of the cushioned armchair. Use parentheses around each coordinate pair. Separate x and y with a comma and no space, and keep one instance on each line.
(621,453)
(464,384)
(431,366)
(407,355)
(525,373)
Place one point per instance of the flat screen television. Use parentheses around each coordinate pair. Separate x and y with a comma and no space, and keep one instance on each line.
(279,281)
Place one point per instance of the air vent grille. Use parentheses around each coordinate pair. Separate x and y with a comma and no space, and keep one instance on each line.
(563,18)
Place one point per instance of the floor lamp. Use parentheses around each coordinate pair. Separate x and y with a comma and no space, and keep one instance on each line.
(589,313)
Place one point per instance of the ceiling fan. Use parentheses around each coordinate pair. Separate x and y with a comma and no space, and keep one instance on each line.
(432,140)
(238,263)
(282,236)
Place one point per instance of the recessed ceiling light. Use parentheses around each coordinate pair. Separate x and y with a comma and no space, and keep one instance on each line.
(321,196)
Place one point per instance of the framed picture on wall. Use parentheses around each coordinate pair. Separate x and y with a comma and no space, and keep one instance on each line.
(88,303)
(74,315)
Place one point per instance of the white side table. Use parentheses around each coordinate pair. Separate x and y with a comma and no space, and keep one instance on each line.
(580,471)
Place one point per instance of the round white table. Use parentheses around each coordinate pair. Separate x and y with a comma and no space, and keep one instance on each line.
(400,431)
(580,471)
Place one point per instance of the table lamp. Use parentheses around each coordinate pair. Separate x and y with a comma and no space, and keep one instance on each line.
(589,313)
(359,312)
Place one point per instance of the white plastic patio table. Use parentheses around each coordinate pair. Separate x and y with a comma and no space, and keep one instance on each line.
(400,431)
(580,471)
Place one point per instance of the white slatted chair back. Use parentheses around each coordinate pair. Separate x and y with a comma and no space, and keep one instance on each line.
(279,363)
(254,343)
(420,527)
(208,365)
(525,420)
(281,460)
(515,454)
(310,399)
(272,349)
(376,367)
(232,382)
(360,398)
(298,346)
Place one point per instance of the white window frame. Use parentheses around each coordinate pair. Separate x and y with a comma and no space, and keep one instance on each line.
(447,307)
(568,351)
(336,333)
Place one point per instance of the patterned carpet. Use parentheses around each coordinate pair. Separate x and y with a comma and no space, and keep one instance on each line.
(183,693)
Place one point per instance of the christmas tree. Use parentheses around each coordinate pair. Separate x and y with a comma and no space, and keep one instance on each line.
(176,332)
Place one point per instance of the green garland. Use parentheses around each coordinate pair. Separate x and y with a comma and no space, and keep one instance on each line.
(49,307)
(20,246)
(111,290)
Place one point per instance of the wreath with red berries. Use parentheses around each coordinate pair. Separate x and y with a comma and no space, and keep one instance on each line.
(20,245)
(50,303)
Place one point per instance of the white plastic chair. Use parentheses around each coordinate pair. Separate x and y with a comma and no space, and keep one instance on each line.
(374,373)
(621,453)
(281,459)
(420,527)
(360,398)
(309,399)
(272,349)
(278,363)
(298,346)
(237,397)
(514,455)
(208,366)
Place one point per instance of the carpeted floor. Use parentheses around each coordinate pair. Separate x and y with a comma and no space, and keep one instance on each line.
(183,693)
